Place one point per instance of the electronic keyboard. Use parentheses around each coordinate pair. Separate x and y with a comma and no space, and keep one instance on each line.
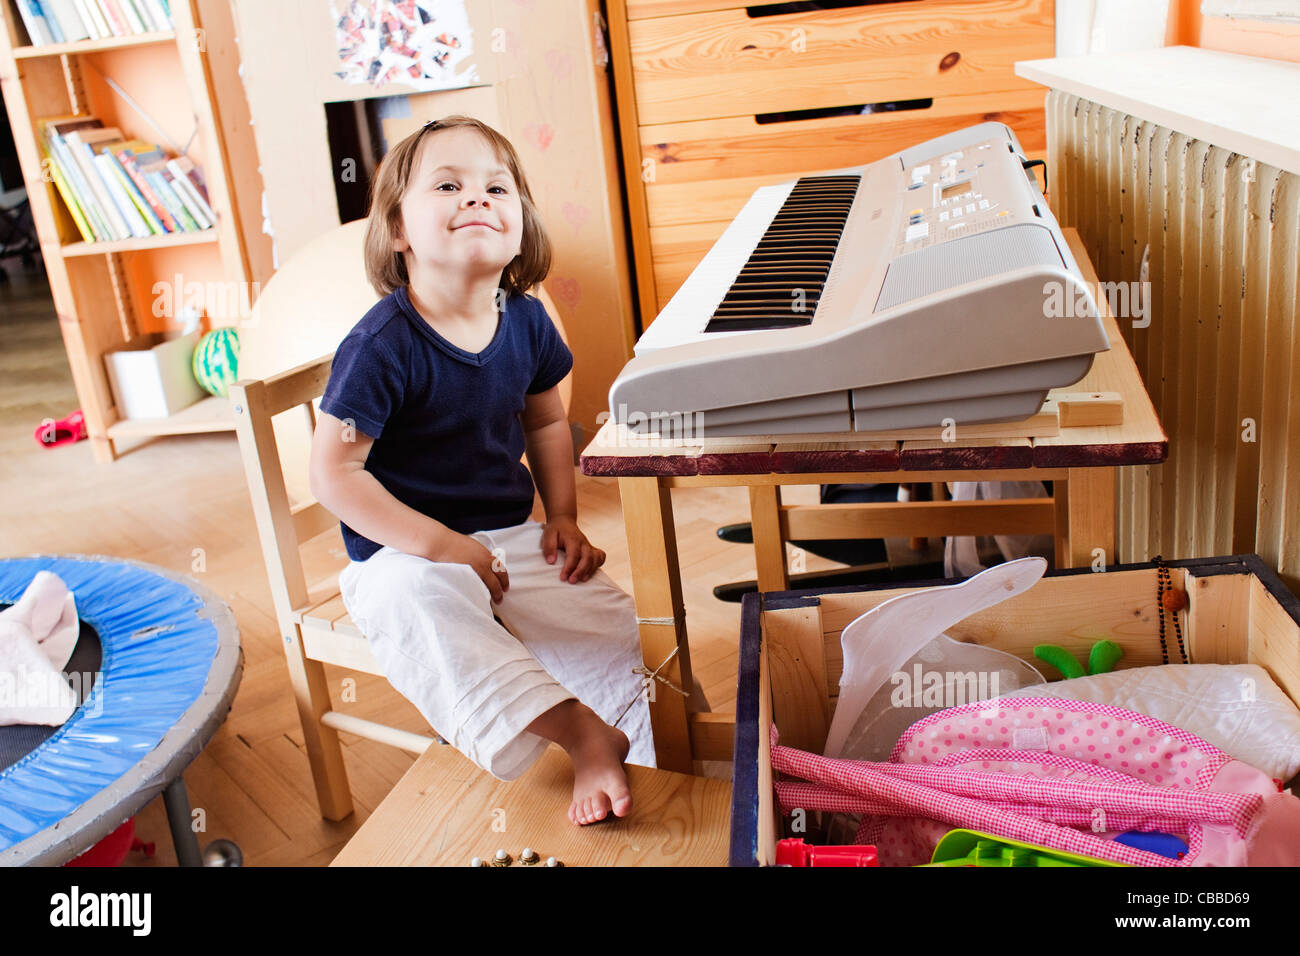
(928,286)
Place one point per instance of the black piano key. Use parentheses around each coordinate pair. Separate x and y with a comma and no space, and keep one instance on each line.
(791,261)
(777,281)
(782,298)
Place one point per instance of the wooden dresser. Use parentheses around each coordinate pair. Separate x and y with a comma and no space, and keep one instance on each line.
(716,98)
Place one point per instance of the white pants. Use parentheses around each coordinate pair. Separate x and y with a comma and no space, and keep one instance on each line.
(961,555)
(431,627)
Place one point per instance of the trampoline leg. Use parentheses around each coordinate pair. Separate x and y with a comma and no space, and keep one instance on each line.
(177,802)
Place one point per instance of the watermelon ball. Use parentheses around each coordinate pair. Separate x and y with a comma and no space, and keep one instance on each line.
(216,361)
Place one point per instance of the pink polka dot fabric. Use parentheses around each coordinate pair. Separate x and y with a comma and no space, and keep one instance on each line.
(1069,736)
(1068,775)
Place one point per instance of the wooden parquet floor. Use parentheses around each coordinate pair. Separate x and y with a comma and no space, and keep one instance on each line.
(182,503)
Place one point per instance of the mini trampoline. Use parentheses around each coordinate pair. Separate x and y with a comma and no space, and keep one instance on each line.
(165,658)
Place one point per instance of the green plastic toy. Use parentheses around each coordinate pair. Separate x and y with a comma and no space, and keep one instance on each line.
(972,848)
(1101,659)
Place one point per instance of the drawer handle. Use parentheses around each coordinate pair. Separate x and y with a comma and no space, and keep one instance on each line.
(779,9)
(890,106)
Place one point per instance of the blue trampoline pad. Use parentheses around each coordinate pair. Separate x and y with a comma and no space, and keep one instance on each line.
(169,667)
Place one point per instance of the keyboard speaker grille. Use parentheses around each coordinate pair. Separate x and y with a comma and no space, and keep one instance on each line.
(947,265)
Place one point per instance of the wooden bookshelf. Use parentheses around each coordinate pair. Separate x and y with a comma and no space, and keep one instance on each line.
(139,245)
(208,415)
(93,46)
(105,293)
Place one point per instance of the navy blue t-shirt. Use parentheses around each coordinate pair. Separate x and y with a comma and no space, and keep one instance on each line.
(448,439)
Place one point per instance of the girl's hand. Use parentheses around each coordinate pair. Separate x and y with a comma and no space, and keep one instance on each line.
(462,549)
(580,559)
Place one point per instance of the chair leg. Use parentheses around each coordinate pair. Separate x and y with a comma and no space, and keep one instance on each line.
(324,752)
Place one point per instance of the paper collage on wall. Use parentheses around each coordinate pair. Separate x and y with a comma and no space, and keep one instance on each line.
(417,43)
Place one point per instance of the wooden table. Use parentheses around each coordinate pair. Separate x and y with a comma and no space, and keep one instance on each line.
(1080,461)
(445,811)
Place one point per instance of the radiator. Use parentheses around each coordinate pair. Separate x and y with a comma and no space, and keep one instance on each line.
(1217,341)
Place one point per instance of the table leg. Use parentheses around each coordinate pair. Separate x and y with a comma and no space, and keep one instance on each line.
(1085,518)
(769,545)
(177,802)
(1061,499)
(661,619)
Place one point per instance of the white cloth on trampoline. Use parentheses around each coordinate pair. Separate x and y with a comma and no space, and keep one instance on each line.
(37,636)
(430,626)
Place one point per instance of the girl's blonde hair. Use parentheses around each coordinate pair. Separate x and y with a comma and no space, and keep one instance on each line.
(386,268)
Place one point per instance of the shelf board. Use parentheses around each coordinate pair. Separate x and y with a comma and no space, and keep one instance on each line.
(93,46)
(1225,99)
(134,245)
(210,414)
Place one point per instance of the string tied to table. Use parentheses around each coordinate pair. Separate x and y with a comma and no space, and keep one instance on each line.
(648,677)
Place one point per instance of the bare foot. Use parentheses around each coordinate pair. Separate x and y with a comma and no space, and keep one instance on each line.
(597,751)
(599,780)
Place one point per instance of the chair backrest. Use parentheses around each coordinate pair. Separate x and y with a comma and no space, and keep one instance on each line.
(282,525)
(286,350)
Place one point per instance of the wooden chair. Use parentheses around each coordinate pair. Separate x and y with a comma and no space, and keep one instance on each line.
(300,317)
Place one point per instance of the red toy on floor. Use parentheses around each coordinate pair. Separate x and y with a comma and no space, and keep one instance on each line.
(112,850)
(62,432)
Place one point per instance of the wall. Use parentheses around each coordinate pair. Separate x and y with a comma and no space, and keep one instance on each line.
(1267,28)
(1256,34)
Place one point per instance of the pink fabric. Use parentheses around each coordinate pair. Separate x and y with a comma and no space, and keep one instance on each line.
(1128,742)
(1094,771)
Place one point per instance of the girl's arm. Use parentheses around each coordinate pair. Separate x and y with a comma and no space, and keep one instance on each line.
(549,447)
(341,483)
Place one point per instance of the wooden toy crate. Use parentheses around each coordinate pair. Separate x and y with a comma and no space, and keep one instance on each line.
(1238,612)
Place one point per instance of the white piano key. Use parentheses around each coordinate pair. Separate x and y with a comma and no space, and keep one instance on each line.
(684,317)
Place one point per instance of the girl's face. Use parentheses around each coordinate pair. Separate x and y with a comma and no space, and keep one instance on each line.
(462,212)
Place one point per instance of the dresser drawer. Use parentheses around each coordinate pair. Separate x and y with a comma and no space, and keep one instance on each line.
(723,63)
(698,175)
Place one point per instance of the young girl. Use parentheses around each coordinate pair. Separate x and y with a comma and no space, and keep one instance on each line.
(433,398)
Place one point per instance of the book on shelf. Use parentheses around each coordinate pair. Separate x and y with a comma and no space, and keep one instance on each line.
(51,21)
(70,200)
(99,194)
(135,210)
(126,154)
(114,15)
(118,188)
(38,31)
(152,13)
(195,175)
(138,24)
(180,168)
(59,158)
(94,18)
(134,221)
(165,192)
(69,21)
